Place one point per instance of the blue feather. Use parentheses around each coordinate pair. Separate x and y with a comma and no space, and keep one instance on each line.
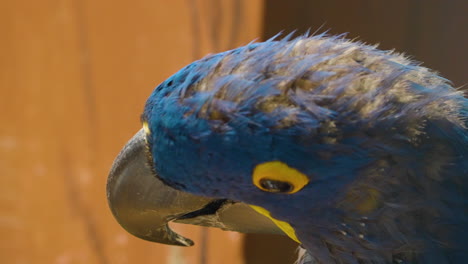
(356,120)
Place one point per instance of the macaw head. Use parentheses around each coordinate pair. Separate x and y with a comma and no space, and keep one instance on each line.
(356,153)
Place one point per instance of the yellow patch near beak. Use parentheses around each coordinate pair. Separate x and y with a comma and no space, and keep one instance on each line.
(146,128)
(286,227)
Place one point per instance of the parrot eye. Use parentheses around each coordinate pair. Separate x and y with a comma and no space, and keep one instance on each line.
(276,186)
(277,177)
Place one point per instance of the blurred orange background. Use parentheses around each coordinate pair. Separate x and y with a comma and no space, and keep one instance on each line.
(74,77)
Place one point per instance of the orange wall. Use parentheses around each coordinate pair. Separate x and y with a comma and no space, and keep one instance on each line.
(74,76)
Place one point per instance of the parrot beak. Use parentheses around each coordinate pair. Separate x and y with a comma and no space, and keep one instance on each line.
(144,205)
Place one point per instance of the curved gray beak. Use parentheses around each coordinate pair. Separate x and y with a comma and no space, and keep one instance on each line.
(144,205)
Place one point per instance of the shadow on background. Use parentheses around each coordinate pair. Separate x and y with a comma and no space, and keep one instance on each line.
(269,249)
(431,31)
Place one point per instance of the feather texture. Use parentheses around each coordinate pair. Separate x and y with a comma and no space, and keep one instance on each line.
(383,140)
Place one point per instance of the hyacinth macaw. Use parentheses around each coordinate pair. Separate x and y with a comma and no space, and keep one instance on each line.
(359,155)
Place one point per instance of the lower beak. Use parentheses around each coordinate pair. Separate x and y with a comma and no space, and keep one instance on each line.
(144,205)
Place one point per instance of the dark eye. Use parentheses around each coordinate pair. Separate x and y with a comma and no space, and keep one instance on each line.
(276,186)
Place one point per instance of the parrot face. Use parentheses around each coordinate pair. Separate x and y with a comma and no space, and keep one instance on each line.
(356,153)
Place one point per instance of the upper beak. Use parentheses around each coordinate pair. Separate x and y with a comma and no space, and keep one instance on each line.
(144,205)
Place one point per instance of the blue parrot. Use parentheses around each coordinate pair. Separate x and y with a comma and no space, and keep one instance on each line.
(359,155)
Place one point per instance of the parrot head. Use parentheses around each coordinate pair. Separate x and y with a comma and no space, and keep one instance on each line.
(357,154)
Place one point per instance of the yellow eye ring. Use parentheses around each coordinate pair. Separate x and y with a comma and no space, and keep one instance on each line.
(278,177)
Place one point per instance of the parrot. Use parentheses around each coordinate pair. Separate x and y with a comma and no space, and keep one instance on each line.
(360,155)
